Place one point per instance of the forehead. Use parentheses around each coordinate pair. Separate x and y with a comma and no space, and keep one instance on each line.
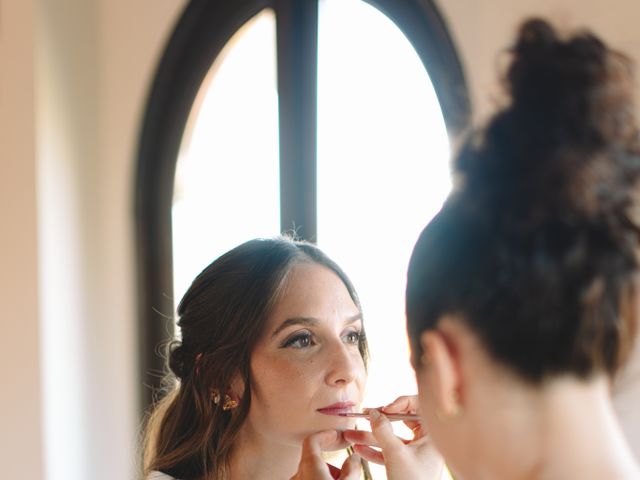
(312,290)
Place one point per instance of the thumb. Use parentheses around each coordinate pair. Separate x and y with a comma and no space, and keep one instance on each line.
(312,465)
(313,445)
(351,468)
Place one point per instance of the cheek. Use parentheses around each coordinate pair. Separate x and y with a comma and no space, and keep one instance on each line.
(278,380)
(440,432)
(361,381)
(425,401)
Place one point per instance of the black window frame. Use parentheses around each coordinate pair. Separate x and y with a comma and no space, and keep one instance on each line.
(199,36)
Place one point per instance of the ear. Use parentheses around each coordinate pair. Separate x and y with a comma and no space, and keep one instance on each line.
(445,381)
(236,388)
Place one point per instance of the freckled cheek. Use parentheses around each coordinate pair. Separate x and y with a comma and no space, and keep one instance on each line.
(286,378)
(291,376)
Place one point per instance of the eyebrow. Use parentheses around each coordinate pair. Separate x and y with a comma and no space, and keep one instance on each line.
(310,321)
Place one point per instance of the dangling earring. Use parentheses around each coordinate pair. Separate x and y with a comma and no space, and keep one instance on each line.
(453,412)
(228,403)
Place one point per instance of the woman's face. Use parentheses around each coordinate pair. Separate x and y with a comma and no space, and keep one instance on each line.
(307,366)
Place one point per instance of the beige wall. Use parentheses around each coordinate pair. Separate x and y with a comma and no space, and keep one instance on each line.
(483,28)
(74,76)
(21,430)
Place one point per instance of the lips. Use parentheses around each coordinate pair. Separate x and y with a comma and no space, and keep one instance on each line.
(337,408)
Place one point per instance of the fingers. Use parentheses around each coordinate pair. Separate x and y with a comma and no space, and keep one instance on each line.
(351,468)
(360,437)
(362,442)
(312,465)
(314,444)
(416,429)
(404,404)
(328,440)
(369,454)
(383,433)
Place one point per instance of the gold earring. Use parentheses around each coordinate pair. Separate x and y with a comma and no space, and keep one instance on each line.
(228,403)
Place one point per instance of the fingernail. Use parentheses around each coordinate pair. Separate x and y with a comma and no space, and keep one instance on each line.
(374,415)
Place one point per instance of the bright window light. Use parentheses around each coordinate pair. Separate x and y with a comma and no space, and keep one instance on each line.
(383,173)
(227,178)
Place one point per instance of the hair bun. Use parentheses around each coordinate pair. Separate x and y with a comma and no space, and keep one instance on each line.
(579,91)
(177,360)
(535,34)
(564,141)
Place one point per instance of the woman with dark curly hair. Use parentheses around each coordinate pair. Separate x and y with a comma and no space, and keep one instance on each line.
(522,293)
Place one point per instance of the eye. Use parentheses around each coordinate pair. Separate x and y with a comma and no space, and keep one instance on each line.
(352,337)
(299,340)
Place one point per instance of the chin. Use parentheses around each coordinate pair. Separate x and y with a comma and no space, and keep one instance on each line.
(339,423)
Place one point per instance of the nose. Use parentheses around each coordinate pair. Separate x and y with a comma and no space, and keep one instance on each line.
(344,365)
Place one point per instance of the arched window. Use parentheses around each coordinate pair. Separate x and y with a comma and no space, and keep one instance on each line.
(337,104)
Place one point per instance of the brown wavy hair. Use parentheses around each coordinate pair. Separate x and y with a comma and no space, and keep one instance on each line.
(221,317)
(536,247)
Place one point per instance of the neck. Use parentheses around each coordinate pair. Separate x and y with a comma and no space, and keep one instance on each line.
(564,429)
(256,457)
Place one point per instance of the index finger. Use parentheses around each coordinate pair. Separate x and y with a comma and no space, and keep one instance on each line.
(361,437)
(404,404)
(383,433)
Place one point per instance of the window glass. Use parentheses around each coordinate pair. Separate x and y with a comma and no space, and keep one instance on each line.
(227,176)
(383,171)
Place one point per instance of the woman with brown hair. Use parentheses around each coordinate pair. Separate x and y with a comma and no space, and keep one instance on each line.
(522,293)
(271,350)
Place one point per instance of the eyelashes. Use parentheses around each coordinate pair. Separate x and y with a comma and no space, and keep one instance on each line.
(306,339)
(299,340)
(353,337)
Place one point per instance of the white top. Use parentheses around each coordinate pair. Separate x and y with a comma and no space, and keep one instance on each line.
(159,476)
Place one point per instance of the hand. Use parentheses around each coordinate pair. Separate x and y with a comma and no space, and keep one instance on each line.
(403,459)
(312,465)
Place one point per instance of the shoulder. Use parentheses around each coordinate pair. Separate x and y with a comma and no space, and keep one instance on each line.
(159,476)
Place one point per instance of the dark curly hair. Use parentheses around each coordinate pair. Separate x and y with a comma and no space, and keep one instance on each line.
(536,247)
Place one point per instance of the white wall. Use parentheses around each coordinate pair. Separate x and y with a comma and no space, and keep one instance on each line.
(74,76)
(68,153)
